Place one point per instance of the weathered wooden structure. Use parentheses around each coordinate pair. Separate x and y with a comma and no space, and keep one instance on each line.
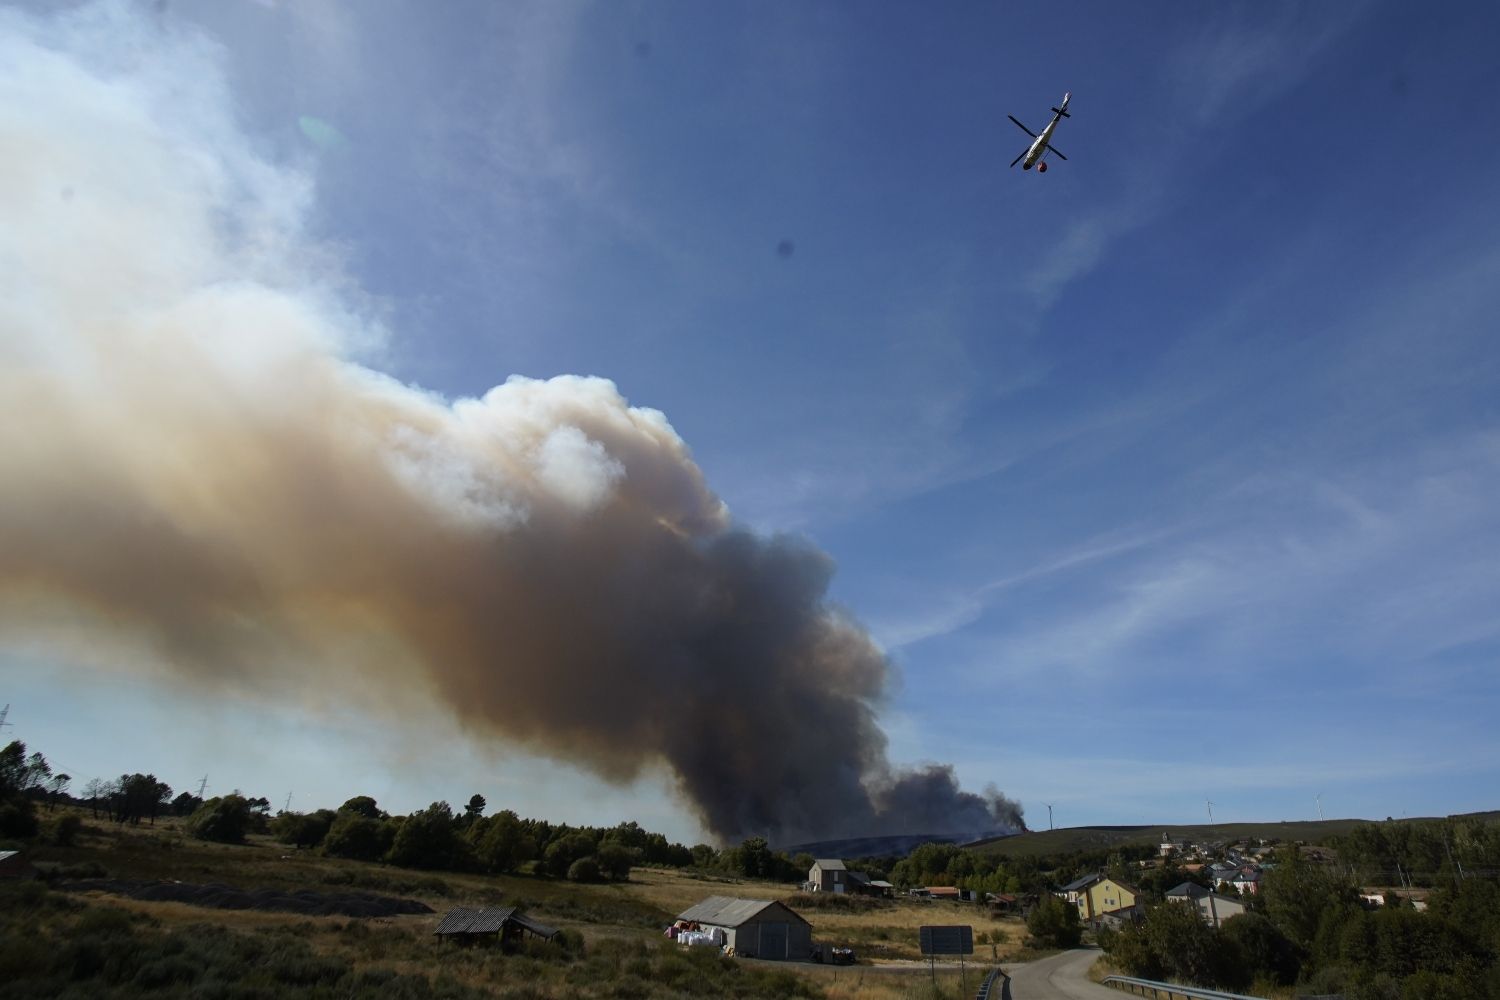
(502,924)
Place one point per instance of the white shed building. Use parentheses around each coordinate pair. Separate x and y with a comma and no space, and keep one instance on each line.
(755,928)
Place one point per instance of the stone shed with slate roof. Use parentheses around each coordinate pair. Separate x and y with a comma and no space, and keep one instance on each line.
(755,928)
(492,923)
(14,865)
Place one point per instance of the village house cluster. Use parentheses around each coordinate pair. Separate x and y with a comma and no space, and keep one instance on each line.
(1234,873)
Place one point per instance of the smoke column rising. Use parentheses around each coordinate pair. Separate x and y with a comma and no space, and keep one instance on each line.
(190,461)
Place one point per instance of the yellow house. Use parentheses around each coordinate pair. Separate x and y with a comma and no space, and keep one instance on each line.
(1105,896)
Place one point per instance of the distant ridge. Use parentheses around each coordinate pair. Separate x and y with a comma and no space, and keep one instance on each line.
(895,846)
(1087,838)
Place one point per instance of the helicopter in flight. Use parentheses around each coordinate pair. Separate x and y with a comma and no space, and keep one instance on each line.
(1032,155)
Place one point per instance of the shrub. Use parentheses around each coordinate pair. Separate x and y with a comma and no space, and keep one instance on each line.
(357,837)
(63,830)
(225,819)
(17,819)
(584,870)
(1054,923)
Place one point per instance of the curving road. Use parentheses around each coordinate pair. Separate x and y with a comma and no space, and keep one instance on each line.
(1061,977)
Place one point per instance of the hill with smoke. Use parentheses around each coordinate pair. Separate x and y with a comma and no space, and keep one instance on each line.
(194,465)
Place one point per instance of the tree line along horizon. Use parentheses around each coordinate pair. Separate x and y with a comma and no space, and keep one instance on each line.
(1415,852)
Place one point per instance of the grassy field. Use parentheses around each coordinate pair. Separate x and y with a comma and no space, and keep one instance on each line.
(615,947)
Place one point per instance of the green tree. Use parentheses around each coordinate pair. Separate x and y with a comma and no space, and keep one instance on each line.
(504,843)
(1263,948)
(562,852)
(363,805)
(1297,892)
(185,804)
(614,861)
(358,837)
(753,858)
(474,810)
(430,839)
(1054,923)
(225,819)
(135,797)
(584,870)
(303,829)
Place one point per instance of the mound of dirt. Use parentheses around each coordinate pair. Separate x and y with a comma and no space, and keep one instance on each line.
(227,897)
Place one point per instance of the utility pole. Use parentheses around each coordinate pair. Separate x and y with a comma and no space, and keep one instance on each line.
(3,713)
(202,786)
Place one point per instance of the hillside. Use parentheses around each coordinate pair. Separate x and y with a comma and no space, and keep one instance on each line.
(162,911)
(1092,838)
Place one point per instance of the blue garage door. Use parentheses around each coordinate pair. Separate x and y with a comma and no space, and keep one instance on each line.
(773,940)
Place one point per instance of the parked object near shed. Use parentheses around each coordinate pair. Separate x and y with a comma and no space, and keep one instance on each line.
(832,954)
(754,928)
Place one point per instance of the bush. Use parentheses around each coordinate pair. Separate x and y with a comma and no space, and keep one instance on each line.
(1054,923)
(584,870)
(17,819)
(302,829)
(225,820)
(358,837)
(63,830)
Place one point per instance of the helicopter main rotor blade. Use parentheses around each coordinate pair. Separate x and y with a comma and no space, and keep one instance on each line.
(1022,127)
(1057,151)
(1018,159)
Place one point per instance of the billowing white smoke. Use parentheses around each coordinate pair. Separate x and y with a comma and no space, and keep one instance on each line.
(190,460)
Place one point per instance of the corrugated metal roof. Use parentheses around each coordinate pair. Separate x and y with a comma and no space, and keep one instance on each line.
(727,911)
(463,920)
(540,930)
(830,864)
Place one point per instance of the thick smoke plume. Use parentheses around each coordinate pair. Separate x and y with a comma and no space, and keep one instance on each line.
(190,460)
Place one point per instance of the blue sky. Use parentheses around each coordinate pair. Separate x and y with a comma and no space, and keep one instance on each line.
(1163,477)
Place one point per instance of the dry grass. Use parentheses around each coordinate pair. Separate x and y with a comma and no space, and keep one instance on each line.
(635,911)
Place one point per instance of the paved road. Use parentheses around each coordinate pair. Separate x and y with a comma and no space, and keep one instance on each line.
(1061,977)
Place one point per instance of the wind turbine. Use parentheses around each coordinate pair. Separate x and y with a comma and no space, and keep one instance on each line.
(1210,812)
(1320,805)
(1049,814)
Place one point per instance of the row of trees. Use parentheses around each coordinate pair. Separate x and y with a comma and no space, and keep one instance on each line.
(1421,852)
(25,780)
(1307,926)
(438,838)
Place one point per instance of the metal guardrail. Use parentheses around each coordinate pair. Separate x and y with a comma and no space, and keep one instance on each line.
(986,988)
(1170,991)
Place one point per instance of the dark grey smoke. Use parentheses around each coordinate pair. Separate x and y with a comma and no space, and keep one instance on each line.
(197,479)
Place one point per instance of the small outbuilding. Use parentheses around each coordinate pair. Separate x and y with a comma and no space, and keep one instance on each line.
(828,875)
(492,923)
(14,865)
(754,928)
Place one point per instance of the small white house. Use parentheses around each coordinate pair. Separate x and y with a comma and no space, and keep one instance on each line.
(828,875)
